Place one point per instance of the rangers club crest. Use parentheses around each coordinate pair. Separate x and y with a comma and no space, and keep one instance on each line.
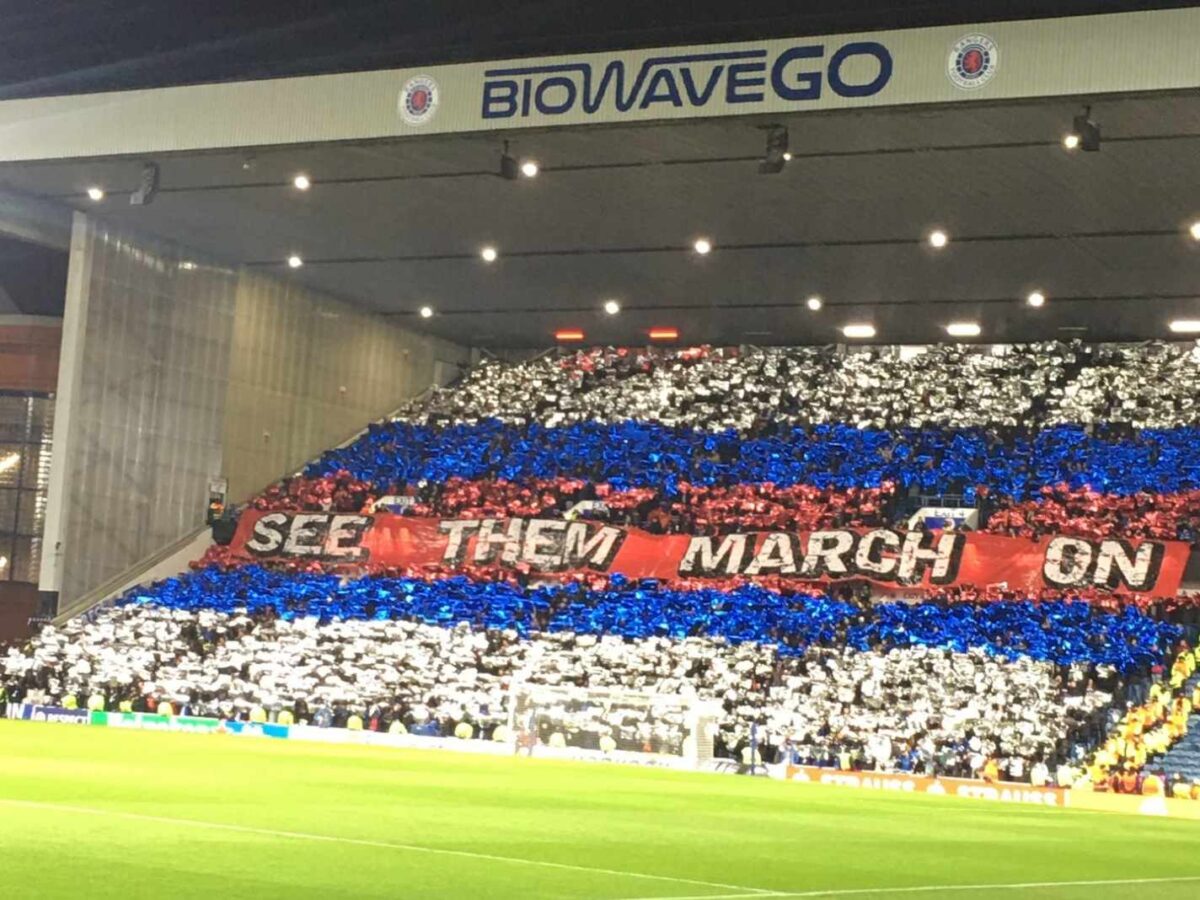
(418,100)
(973,61)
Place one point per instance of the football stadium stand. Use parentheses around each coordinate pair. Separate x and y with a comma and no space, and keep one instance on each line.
(1056,684)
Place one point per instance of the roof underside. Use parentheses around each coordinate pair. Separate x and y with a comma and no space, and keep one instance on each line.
(396,225)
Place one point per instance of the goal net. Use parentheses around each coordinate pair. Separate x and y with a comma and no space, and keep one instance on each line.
(620,726)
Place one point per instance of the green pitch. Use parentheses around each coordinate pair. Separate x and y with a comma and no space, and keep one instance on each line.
(94,813)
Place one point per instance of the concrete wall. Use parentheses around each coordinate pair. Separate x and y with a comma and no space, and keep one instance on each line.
(177,369)
(307,372)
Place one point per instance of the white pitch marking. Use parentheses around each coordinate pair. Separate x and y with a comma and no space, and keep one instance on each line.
(930,888)
(387,845)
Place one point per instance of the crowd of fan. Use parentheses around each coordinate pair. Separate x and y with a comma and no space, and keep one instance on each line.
(1047,437)
(1150,385)
(719,388)
(1053,438)
(1083,512)
(934,707)
(642,454)
(1063,632)
(695,509)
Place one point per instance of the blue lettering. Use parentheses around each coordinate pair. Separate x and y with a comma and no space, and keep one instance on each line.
(810,82)
(862,48)
(525,98)
(614,71)
(544,106)
(736,82)
(797,74)
(689,85)
(499,99)
(671,94)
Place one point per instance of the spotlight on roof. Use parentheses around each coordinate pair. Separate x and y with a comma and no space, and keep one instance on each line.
(1036,298)
(703,246)
(612,307)
(509,168)
(489,254)
(1071,141)
(663,333)
(530,168)
(963,329)
(426,312)
(1086,130)
(938,239)
(1195,230)
(147,186)
(569,334)
(1185,326)
(295,261)
(859,331)
(301,182)
(813,303)
(776,153)
(95,193)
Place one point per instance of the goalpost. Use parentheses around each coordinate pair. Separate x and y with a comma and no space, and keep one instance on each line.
(671,730)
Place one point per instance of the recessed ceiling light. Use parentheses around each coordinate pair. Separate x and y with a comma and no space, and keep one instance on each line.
(95,193)
(938,239)
(813,302)
(787,156)
(426,312)
(1185,326)
(1071,141)
(1195,230)
(612,307)
(294,261)
(301,182)
(860,330)
(1036,298)
(963,329)
(489,254)
(529,168)
(702,246)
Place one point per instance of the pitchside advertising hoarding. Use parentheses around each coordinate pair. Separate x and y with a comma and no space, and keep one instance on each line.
(1085,55)
(557,548)
(908,783)
(33,712)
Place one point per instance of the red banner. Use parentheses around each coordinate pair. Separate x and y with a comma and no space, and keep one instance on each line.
(548,547)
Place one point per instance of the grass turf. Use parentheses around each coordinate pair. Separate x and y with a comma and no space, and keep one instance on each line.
(89,812)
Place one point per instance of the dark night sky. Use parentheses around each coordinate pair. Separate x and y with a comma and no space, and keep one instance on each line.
(69,46)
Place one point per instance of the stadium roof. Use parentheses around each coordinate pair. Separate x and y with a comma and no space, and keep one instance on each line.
(397,222)
(114,45)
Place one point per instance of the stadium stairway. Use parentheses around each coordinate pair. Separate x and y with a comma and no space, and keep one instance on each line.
(1184,757)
